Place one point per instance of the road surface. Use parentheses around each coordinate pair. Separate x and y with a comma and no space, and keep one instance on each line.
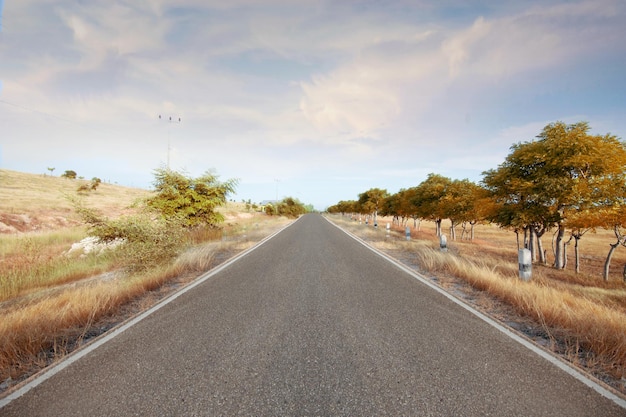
(311,323)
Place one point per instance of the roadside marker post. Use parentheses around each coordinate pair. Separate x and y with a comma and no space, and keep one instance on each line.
(407,232)
(443,243)
(525,264)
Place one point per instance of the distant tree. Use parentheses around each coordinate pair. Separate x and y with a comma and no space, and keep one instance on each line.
(69,174)
(95,183)
(372,200)
(390,207)
(344,207)
(192,200)
(270,210)
(51,169)
(428,199)
(458,203)
(290,207)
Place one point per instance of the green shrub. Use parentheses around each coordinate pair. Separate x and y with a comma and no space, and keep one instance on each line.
(146,241)
(192,201)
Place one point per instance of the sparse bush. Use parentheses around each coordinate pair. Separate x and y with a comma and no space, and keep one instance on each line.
(92,186)
(270,210)
(69,174)
(147,241)
(95,183)
(290,207)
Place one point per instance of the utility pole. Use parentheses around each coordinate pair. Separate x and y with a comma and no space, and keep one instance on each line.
(277,181)
(169,122)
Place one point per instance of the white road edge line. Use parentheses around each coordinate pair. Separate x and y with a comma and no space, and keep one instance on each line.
(49,372)
(559,363)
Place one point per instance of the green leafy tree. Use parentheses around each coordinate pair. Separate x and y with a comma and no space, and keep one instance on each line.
(371,201)
(459,204)
(390,207)
(344,207)
(69,174)
(428,199)
(192,200)
(516,204)
(290,207)
(546,183)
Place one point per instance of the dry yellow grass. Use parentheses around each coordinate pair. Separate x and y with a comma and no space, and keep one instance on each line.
(45,329)
(24,193)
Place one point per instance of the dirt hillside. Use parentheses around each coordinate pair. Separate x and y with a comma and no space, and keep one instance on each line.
(40,202)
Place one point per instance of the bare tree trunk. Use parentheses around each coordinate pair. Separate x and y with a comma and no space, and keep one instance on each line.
(607,263)
(558,254)
(453,229)
(517,238)
(542,252)
(472,230)
(621,240)
(531,243)
(565,246)
(577,255)
(438,227)
(526,245)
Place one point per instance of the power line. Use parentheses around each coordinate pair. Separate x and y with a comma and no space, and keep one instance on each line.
(19,106)
(168,135)
(54,116)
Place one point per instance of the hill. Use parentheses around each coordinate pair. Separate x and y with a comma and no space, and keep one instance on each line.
(38,202)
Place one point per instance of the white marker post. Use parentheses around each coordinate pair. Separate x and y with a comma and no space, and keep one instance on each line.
(407,232)
(443,243)
(525,264)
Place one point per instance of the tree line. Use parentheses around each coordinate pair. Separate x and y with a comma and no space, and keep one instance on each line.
(565,180)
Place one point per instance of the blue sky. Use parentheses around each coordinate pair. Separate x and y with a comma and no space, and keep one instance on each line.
(316,99)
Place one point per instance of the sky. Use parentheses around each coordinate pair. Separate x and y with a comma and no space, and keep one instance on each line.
(315,99)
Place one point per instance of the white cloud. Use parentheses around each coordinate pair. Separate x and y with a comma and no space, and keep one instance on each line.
(378,87)
(289,88)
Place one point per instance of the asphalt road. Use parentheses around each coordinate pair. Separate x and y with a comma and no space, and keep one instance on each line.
(311,323)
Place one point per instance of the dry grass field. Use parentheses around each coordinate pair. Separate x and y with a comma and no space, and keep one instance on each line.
(578,316)
(32,202)
(52,302)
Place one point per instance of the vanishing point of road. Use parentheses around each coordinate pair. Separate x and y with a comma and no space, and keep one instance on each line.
(311,323)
